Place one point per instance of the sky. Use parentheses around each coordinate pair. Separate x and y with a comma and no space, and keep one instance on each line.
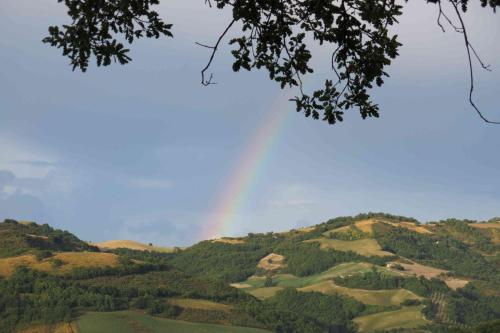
(145,152)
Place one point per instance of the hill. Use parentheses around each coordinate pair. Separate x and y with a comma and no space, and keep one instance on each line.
(28,237)
(371,272)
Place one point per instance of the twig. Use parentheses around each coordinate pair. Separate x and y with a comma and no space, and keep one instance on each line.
(471,70)
(214,50)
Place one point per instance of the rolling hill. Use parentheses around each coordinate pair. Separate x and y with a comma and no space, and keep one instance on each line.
(368,273)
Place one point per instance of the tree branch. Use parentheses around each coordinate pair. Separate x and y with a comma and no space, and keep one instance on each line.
(214,50)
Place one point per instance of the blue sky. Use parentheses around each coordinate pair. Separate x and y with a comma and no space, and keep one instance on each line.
(143,151)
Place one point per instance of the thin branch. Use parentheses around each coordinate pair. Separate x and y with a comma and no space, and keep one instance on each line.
(214,50)
(471,70)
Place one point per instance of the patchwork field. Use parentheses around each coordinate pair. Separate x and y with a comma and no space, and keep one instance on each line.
(199,304)
(411,226)
(69,261)
(272,262)
(289,280)
(375,297)
(407,317)
(421,270)
(265,292)
(134,322)
(56,328)
(365,226)
(132,245)
(228,240)
(365,247)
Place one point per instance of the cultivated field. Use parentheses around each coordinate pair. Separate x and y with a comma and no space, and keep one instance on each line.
(366,226)
(272,262)
(289,280)
(375,297)
(407,317)
(69,260)
(411,226)
(365,247)
(421,270)
(132,245)
(55,328)
(199,304)
(265,292)
(134,322)
(228,240)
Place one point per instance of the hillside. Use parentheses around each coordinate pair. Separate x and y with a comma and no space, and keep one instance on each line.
(371,272)
(28,237)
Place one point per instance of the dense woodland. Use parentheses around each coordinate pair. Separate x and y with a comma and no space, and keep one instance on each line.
(144,280)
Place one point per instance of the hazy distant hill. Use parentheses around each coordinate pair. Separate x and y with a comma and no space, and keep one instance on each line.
(368,273)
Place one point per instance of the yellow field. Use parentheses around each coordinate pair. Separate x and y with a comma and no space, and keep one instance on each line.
(272,262)
(375,297)
(266,292)
(366,226)
(411,226)
(132,245)
(422,270)
(228,240)
(199,304)
(70,260)
(407,317)
(56,328)
(365,247)
(493,228)
(454,283)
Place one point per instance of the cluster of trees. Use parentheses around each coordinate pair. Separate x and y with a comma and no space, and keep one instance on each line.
(439,251)
(291,311)
(18,238)
(378,280)
(304,259)
(461,230)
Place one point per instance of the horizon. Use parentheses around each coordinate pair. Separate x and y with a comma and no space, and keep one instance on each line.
(145,151)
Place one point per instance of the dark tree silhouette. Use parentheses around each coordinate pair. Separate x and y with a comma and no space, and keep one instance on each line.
(276,35)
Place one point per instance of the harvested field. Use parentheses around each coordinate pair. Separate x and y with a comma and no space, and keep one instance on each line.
(421,270)
(407,317)
(55,328)
(199,304)
(70,260)
(374,297)
(411,226)
(264,293)
(455,283)
(365,247)
(272,262)
(132,245)
(228,240)
(366,226)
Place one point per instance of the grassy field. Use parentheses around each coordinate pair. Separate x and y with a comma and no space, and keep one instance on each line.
(134,322)
(407,317)
(288,280)
(375,297)
(55,328)
(365,247)
(199,304)
(265,292)
(70,260)
(132,245)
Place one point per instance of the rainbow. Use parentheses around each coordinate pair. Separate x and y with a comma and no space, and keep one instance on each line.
(246,171)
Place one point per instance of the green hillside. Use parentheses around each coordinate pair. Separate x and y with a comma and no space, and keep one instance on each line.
(133,322)
(349,274)
(28,237)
